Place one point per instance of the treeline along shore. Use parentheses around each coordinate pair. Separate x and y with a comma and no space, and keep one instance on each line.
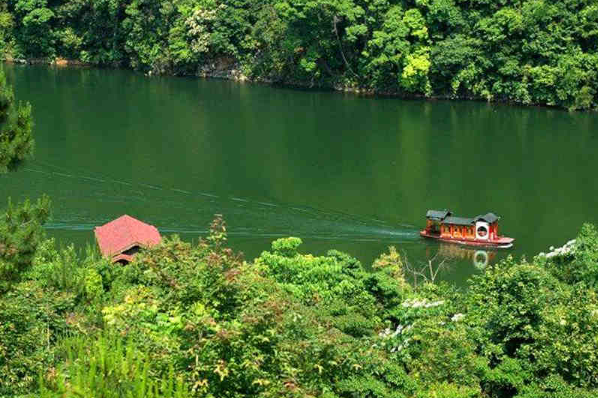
(527,52)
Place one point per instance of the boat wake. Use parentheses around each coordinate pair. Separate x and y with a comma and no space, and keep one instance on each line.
(176,210)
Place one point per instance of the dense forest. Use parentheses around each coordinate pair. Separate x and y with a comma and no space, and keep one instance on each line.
(522,51)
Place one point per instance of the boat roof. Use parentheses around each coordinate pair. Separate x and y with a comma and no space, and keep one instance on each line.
(437,215)
(446,217)
(458,221)
(488,217)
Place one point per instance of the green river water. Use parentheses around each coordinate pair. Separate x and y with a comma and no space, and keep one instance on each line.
(340,171)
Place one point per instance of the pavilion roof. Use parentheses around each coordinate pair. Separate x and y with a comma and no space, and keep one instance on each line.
(124,233)
(488,217)
(437,215)
(458,221)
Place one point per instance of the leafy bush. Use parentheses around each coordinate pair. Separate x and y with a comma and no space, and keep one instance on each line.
(32,319)
(107,367)
(16,124)
(20,234)
(197,320)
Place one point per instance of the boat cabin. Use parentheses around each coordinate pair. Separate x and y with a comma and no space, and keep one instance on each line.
(441,224)
(445,225)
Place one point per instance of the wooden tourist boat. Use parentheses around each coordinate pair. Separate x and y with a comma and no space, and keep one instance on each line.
(481,231)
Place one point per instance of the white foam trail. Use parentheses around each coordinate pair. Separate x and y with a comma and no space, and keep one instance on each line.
(312,218)
(93,179)
(150,186)
(267,204)
(121,182)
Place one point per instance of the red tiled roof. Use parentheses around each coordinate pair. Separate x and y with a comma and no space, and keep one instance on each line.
(123,233)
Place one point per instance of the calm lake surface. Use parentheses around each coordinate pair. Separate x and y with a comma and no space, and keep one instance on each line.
(340,171)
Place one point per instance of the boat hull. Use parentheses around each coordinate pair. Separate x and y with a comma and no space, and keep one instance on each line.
(502,242)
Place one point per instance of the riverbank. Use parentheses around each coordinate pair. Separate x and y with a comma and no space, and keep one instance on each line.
(501,53)
(225,69)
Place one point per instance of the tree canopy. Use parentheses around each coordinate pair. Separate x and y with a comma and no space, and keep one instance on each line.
(523,51)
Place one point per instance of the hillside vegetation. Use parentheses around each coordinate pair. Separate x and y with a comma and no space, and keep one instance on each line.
(16,125)
(198,321)
(522,51)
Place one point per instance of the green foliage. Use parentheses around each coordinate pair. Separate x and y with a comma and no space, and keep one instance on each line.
(530,325)
(529,51)
(107,367)
(336,284)
(286,247)
(32,318)
(34,27)
(20,234)
(580,264)
(196,320)
(16,124)
(6,29)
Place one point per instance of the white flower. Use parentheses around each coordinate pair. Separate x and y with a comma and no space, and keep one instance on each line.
(457,317)
(435,304)
(384,333)
(399,329)
(566,249)
(421,303)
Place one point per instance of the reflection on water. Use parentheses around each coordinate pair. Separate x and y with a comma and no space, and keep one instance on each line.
(444,259)
(479,258)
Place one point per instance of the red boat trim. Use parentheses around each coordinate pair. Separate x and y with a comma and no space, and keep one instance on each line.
(503,242)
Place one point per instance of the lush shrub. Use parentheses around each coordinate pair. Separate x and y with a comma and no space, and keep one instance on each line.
(16,125)
(107,367)
(32,319)
(20,234)
(197,320)
(529,325)
(581,264)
